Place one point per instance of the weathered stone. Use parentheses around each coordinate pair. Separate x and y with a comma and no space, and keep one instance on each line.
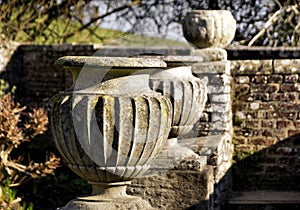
(209,28)
(220,98)
(284,96)
(242,79)
(220,79)
(252,67)
(241,89)
(275,78)
(294,87)
(220,117)
(220,126)
(112,62)
(39,79)
(264,88)
(186,189)
(221,108)
(267,124)
(210,54)
(291,78)
(110,132)
(252,123)
(110,199)
(286,66)
(177,61)
(187,94)
(260,79)
(284,124)
(216,89)
(217,67)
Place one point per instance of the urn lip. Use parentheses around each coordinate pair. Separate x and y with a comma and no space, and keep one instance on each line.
(177,60)
(197,12)
(111,62)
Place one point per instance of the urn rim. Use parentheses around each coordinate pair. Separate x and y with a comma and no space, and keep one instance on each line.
(111,62)
(199,12)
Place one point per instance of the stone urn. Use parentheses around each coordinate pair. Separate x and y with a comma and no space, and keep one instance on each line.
(109,128)
(209,28)
(188,96)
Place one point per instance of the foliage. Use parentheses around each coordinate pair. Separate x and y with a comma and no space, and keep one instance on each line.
(282,28)
(61,26)
(259,22)
(18,125)
(40,21)
(9,199)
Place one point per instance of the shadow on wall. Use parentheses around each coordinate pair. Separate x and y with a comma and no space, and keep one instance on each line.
(276,167)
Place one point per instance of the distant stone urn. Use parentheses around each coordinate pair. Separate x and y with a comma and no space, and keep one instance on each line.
(209,28)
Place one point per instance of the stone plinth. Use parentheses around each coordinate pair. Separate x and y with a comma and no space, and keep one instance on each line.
(177,189)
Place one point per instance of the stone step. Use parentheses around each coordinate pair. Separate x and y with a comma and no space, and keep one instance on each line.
(265,200)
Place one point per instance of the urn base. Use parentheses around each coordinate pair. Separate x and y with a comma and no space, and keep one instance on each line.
(108,196)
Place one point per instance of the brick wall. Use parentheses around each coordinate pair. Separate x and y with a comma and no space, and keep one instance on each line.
(32,69)
(266,109)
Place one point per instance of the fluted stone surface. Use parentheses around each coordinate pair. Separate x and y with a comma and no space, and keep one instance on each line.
(186,93)
(110,138)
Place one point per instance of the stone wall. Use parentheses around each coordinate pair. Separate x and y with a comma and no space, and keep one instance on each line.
(266,109)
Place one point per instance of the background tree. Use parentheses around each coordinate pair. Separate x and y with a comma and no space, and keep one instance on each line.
(265,22)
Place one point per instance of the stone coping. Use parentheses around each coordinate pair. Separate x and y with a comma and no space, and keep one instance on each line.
(121,62)
(265,197)
(262,53)
(234,52)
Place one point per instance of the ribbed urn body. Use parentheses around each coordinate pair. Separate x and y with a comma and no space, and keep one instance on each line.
(105,135)
(209,28)
(187,94)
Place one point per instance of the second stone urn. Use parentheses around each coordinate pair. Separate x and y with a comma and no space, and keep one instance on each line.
(108,132)
(209,28)
(188,96)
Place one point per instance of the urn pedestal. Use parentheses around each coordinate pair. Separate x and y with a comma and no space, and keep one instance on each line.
(108,128)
